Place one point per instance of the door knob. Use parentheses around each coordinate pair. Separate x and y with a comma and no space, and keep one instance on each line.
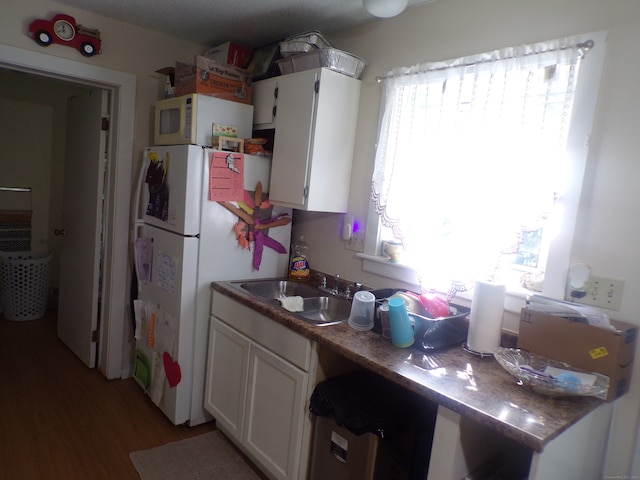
(59,232)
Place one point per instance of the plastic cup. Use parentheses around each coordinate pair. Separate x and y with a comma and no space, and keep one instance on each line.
(362,307)
(401,329)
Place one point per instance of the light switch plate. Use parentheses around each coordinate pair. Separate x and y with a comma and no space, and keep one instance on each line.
(603,292)
(356,242)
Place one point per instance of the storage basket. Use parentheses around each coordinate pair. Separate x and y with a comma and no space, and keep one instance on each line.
(24,284)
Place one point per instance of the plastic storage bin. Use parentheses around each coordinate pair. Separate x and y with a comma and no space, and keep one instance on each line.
(24,284)
(368,428)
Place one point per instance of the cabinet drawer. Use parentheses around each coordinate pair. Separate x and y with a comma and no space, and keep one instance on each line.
(261,329)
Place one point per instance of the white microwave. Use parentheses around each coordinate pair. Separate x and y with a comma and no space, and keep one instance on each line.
(189,119)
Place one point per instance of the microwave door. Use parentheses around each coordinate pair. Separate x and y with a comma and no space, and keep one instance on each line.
(174,121)
(170,186)
(171,120)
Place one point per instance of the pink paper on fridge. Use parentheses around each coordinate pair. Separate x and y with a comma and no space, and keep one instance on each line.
(226,176)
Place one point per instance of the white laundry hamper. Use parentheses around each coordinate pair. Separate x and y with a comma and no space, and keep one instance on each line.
(24,284)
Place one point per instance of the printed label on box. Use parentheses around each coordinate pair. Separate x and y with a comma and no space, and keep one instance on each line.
(339,447)
(598,352)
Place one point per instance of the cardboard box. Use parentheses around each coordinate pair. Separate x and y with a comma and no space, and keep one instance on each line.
(210,78)
(230,53)
(595,349)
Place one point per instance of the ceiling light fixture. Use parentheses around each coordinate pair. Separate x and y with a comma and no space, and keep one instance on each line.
(385,8)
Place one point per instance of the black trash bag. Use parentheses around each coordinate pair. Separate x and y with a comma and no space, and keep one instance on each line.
(364,402)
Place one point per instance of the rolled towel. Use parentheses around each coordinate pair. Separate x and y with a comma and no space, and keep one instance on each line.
(292,304)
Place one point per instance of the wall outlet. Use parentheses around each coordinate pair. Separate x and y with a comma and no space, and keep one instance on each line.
(603,292)
(356,242)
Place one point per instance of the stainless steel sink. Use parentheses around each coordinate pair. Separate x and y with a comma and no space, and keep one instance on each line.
(318,308)
(325,310)
(268,289)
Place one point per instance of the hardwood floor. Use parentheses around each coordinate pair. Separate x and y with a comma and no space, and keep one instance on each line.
(61,420)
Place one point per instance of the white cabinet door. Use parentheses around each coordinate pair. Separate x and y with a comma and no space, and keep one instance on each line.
(258,387)
(314,140)
(292,143)
(227,372)
(264,103)
(275,413)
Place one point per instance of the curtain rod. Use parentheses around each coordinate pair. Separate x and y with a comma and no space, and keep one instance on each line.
(583,46)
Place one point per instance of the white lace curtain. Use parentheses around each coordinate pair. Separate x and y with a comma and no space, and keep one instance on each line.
(471,154)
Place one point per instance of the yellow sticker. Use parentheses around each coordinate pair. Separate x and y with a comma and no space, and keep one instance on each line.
(598,352)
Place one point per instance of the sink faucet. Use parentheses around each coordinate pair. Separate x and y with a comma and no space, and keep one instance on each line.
(335,290)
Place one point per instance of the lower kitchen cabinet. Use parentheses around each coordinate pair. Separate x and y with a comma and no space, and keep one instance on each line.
(227,377)
(273,416)
(258,386)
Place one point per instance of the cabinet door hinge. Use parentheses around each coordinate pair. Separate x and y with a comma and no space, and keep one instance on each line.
(305,193)
(105,124)
(275,93)
(317,86)
(274,111)
(95,336)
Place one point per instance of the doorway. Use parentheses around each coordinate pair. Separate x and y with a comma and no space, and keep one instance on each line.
(114,309)
(31,103)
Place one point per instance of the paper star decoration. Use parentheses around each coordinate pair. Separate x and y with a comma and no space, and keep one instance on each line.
(254,222)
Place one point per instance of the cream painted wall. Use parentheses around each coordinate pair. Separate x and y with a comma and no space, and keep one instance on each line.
(32,155)
(125,48)
(27,163)
(607,227)
(449,28)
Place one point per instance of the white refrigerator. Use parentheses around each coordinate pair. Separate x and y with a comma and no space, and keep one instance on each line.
(184,240)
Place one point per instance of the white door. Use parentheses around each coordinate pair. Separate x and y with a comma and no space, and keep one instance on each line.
(170,195)
(227,372)
(264,103)
(295,115)
(171,289)
(274,418)
(80,253)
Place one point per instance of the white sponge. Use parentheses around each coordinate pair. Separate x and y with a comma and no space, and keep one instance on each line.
(292,304)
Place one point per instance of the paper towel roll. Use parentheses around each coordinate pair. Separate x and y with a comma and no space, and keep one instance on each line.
(485,324)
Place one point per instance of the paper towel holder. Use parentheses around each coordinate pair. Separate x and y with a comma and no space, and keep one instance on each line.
(467,349)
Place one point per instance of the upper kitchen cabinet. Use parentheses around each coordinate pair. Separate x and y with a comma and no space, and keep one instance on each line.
(264,96)
(315,124)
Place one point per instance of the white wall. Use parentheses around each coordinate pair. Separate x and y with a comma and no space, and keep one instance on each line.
(128,49)
(26,162)
(607,225)
(607,229)
(125,48)
(32,149)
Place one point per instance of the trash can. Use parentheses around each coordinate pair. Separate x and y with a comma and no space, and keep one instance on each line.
(368,428)
(24,284)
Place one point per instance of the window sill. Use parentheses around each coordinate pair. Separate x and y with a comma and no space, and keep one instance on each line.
(382,266)
(516,294)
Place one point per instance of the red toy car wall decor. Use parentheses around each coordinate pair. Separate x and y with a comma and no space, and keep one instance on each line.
(62,29)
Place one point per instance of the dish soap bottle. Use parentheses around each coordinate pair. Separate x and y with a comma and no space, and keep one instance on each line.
(299,270)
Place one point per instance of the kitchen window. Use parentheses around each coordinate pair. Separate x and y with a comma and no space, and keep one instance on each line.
(479,164)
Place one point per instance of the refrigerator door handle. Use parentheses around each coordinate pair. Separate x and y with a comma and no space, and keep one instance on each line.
(138,214)
(137,233)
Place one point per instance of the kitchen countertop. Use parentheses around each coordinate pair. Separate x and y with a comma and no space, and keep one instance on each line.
(475,387)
